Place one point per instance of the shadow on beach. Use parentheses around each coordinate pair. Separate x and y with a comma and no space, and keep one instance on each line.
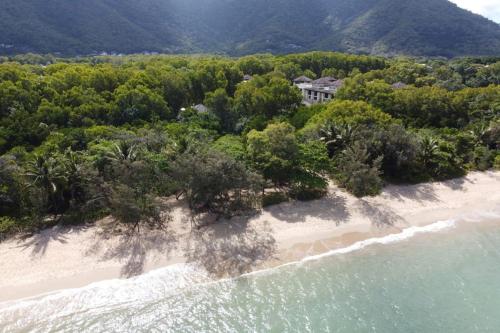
(133,249)
(230,248)
(332,207)
(458,184)
(38,242)
(420,193)
(379,215)
(236,246)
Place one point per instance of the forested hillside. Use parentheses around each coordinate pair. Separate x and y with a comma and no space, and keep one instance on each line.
(84,27)
(236,27)
(86,138)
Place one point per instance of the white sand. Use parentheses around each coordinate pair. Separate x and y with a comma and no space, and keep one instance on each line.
(62,258)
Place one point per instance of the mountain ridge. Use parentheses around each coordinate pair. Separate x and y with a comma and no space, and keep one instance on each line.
(235,27)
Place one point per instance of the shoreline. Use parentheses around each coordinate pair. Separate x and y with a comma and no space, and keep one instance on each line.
(66,258)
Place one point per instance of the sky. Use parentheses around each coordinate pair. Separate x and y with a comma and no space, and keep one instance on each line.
(488,8)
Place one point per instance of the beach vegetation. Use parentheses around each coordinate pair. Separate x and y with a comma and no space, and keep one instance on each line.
(216,183)
(358,172)
(118,136)
(274,198)
(496,164)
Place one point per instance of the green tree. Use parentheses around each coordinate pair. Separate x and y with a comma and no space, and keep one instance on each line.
(84,190)
(376,92)
(336,137)
(277,153)
(132,182)
(358,172)
(215,183)
(49,173)
(440,158)
(274,152)
(427,107)
(347,113)
(269,95)
(10,186)
(221,105)
(138,103)
(231,145)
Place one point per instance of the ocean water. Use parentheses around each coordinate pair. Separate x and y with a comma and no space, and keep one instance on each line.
(440,278)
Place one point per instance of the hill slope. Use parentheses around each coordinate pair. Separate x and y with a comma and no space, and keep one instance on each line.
(424,27)
(81,27)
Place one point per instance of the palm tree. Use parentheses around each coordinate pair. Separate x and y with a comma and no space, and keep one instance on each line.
(336,137)
(429,149)
(49,174)
(9,194)
(84,186)
(124,152)
(77,175)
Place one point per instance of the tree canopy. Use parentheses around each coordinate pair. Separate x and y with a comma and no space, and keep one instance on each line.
(114,136)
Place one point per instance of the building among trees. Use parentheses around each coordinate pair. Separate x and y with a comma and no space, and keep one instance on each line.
(317,91)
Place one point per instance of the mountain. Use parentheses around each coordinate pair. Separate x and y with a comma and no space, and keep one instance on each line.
(236,27)
(86,26)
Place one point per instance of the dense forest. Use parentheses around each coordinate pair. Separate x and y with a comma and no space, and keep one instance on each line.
(113,136)
(241,27)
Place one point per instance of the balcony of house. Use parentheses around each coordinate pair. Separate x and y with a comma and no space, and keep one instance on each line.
(318,91)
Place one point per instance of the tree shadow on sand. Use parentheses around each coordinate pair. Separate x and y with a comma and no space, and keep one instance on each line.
(132,249)
(420,193)
(379,215)
(332,208)
(457,184)
(40,241)
(230,248)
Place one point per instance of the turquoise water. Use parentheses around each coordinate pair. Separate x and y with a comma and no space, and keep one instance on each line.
(441,279)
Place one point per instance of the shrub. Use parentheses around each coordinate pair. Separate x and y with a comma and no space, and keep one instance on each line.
(439,159)
(483,158)
(304,113)
(216,183)
(307,193)
(7,226)
(132,208)
(231,145)
(274,198)
(496,164)
(358,173)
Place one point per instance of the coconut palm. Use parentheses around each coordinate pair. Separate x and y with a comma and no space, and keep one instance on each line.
(124,152)
(9,190)
(50,175)
(336,137)
(429,148)
(81,175)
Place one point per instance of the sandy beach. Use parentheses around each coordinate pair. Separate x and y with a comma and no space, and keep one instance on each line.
(70,257)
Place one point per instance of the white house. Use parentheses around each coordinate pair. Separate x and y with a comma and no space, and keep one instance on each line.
(318,91)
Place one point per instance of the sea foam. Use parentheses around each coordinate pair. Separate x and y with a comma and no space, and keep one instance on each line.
(391,238)
(179,276)
(107,296)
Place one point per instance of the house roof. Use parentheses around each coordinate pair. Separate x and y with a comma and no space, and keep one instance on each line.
(302,79)
(338,83)
(247,77)
(399,85)
(200,108)
(327,80)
